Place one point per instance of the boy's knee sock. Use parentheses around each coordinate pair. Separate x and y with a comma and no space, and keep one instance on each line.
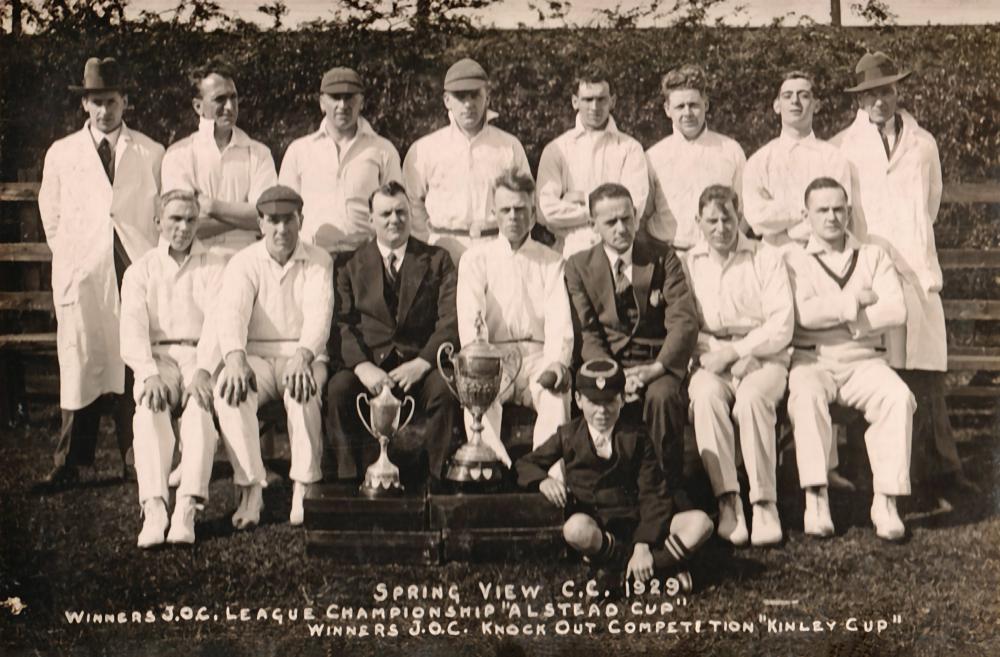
(671,553)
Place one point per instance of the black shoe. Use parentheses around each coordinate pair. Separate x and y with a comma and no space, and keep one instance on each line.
(61,475)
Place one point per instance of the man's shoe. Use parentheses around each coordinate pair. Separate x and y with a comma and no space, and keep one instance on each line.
(251,503)
(766,524)
(297,516)
(182,520)
(732,522)
(817,520)
(885,517)
(154,524)
(61,475)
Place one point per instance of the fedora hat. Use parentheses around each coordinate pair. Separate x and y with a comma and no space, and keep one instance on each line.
(100,75)
(875,70)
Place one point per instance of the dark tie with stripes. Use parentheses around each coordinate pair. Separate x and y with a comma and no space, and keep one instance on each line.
(107,159)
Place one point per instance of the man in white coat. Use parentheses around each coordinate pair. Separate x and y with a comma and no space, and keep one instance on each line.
(897,173)
(97,202)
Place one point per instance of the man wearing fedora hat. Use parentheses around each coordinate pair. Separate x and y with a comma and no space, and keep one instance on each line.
(97,202)
(449,173)
(336,168)
(898,194)
(220,163)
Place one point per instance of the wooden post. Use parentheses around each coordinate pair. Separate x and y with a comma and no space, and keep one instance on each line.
(835,13)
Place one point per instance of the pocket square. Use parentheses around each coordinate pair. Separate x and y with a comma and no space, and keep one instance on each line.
(655,297)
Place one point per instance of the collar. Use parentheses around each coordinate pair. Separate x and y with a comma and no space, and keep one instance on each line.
(206,132)
(400,251)
(787,140)
(504,246)
(815,246)
(490,115)
(598,437)
(743,243)
(299,253)
(613,255)
(163,247)
(364,128)
(580,130)
(112,136)
(702,136)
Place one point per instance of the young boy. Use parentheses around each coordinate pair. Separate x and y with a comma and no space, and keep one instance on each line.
(615,493)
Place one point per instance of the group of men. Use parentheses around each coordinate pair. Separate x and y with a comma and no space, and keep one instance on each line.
(345,272)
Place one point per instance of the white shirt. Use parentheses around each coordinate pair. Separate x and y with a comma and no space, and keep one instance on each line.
(580,160)
(601,441)
(279,308)
(449,177)
(681,169)
(521,295)
(399,252)
(775,181)
(746,295)
(98,136)
(164,300)
(335,184)
(614,257)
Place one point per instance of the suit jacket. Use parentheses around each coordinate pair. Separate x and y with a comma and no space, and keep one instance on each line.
(425,316)
(629,484)
(667,309)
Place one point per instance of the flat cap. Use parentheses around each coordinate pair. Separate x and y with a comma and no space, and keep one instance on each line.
(279,200)
(465,75)
(600,380)
(341,81)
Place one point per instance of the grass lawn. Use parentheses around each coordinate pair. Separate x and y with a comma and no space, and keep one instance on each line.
(75,551)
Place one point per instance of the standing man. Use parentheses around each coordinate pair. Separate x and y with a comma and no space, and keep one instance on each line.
(574,164)
(337,168)
(449,173)
(776,176)
(684,164)
(220,163)
(747,316)
(846,296)
(633,305)
(898,194)
(395,300)
(516,286)
(97,202)
(169,342)
(273,323)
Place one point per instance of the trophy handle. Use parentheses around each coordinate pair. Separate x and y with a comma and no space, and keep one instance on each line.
(447,349)
(413,407)
(512,356)
(361,416)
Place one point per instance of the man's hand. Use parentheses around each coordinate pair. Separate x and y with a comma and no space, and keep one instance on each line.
(640,566)
(206,204)
(201,389)
(237,378)
(866,297)
(555,377)
(719,360)
(410,373)
(744,367)
(298,377)
(372,377)
(554,491)
(646,373)
(155,394)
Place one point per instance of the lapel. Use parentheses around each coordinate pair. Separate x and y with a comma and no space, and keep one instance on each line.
(411,275)
(371,266)
(907,141)
(602,282)
(643,262)
(123,151)
(624,444)
(89,159)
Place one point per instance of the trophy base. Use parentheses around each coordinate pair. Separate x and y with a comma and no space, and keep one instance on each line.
(475,467)
(380,492)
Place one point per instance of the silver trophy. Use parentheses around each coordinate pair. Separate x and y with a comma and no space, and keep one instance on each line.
(382,476)
(482,373)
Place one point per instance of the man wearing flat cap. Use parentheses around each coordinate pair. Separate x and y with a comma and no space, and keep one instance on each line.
(273,322)
(897,172)
(220,163)
(97,202)
(449,173)
(336,168)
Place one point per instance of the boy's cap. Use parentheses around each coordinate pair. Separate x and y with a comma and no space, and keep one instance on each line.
(600,380)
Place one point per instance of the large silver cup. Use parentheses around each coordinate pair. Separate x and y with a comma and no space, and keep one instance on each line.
(384,412)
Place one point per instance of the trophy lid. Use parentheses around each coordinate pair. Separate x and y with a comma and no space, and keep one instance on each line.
(481,347)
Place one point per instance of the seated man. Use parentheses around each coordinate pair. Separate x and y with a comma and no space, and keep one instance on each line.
(741,362)
(615,493)
(516,286)
(166,298)
(633,305)
(846,296)
(395,301)
(273,323)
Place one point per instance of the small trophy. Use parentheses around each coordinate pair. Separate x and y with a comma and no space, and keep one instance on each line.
(480,370)
(382,476)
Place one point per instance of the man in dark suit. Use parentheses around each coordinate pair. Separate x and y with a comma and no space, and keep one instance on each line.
(394,305)
(632,304)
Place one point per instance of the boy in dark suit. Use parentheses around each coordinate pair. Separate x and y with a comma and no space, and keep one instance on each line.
(615,493)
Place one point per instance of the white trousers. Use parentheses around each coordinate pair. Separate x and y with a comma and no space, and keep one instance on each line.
(153,444)
(552,408)
(716,401)
(867,385)
(241,431)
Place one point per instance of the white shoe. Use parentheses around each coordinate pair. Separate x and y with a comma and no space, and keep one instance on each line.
(174,478)
(297,516)
(885,517)
(182,520)
(766,524)
(817,520)
(154,524)
(732,523)
(251,503)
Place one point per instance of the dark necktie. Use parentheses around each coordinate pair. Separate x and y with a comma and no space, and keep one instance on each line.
(628,310)
(621,280)
(107,159)
(392,272)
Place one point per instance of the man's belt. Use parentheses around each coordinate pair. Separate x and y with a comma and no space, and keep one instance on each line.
(187,342)
(812,347)
(736,333)
(518,341)
(484,232)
